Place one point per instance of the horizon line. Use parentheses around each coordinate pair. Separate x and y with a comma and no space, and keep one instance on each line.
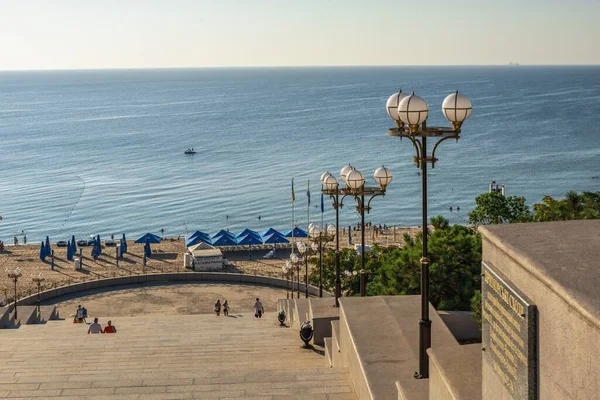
(297,66)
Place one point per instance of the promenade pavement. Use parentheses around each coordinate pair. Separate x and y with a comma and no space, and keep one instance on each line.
(167,357)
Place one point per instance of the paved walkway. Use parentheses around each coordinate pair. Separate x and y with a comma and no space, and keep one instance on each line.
(167,357)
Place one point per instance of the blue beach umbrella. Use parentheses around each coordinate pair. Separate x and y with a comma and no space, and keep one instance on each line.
(69,252)
(197,239)
(223,240)
(47,247)
(270,231)
(42,252)
(223,232)
(249,240)
(98,245)
(247,232)
(275,238)
(123,245)
(196,234)
(151,238)
(299,233)
(73,246)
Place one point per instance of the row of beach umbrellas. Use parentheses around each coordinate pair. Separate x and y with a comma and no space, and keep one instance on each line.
(46,249)
(245,237)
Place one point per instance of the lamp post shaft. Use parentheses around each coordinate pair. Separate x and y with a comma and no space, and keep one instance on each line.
(306,273)
(320,264)
(298,282)
(38,297)
(15,299)
(425,322)
(362,234)
(338,283)
(362,283)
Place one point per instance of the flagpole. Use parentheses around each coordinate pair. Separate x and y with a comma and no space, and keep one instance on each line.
(293,242)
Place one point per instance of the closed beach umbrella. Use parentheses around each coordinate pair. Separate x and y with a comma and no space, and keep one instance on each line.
(123,245)
(98,245)
(349,234)
(73,246)
(42,252)
(69,252)
(147,249)
(47,247)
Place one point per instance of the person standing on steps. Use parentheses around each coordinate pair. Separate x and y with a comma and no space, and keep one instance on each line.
(218,307)
(258,309)
(225,309)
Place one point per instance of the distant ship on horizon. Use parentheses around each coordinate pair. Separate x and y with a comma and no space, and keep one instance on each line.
(513,63)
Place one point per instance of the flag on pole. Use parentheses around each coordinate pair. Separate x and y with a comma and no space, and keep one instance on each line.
(308,191)
(322,205)
(293,196)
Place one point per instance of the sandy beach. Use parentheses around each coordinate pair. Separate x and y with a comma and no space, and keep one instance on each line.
(167,257)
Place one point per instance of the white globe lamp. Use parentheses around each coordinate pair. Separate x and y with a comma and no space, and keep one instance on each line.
(383,177)
(413,111)
(457,108)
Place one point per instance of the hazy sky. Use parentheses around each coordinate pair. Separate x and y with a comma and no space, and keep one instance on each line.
(65,34)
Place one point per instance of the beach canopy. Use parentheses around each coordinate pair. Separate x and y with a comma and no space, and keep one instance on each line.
(224,240)
(270,231)
(152,238)
(275,238)
(249,240)
(197,233)
(223,232)
(299,233)
(247,232)
(42,252)
(197,239)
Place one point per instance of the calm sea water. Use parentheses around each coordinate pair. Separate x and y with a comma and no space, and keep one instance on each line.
(100,152)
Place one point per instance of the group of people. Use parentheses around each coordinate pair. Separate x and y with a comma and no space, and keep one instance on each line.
(95,327)
(225,307)
(258,308)
(80,315)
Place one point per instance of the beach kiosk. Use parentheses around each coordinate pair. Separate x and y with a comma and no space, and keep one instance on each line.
(206,257)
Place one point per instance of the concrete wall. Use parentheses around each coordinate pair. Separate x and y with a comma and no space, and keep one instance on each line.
(568,341)
(182,277)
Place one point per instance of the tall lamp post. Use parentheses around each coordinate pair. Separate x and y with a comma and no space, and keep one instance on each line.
(305,251)
(38,280)
(15,274)
(320,238)
(294,265)
(355,186)
(410,113)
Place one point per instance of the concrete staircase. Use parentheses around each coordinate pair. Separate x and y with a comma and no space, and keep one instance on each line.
(26,315)
(167,357)
(376,340)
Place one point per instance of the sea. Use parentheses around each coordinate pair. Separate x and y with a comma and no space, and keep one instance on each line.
(102,151)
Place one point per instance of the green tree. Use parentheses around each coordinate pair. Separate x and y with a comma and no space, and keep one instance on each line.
(574,206)
(494,208)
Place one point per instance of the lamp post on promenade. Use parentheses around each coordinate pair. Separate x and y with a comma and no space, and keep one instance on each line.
(410,113)
(305,251)
(355,186)
(286,274)
(38,280)
(15,274)
(319,239)
(294,264)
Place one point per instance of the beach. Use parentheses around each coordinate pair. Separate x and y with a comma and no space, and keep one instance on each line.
(167,256)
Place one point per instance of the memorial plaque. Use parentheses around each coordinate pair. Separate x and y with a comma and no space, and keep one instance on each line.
(509,333)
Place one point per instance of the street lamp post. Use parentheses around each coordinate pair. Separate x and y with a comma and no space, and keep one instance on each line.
(410,113)
(355,186)
(294,263)
(320,238)
(38,280)
(15,274)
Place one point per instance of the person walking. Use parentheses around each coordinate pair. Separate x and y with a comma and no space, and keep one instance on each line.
(258,309)
(225,309)
(218,307)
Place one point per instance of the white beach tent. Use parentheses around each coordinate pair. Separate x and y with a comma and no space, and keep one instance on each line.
(206,257)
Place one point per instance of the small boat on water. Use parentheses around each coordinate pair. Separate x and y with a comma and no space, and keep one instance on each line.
(189,151)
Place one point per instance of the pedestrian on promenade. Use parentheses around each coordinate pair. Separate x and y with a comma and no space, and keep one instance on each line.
(218,307)
(225,309)
(95,327)
(258,309)
(110,328)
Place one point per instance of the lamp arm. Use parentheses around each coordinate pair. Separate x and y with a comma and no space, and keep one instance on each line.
(372,197)
(433,159)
